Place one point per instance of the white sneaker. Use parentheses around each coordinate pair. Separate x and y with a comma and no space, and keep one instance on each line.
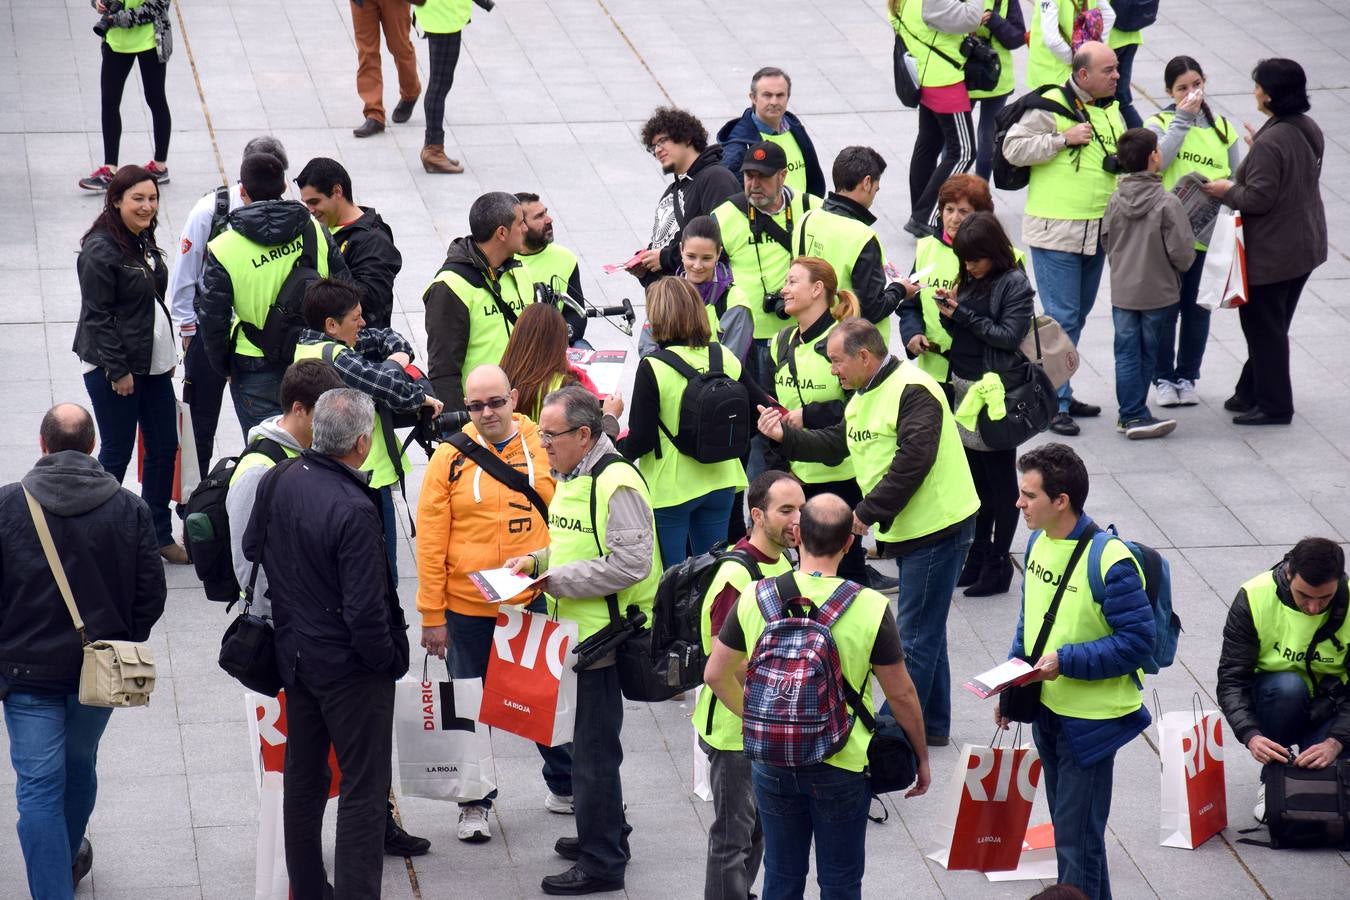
(1186,393)
(1259,811)
(1167,393)
(473,825)
(556,803)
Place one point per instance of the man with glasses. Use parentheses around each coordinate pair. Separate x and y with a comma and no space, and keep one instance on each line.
(601,560)
(679,142)
(483,500)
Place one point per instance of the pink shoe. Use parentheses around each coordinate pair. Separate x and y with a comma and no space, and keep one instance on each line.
(98,180)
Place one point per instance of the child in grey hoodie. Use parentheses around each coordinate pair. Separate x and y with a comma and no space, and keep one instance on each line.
(1149,243)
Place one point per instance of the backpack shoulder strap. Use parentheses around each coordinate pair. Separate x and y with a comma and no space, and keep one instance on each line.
(221,210)
(746,561)
(309,249)
(773,595)
(838,603)
(672,359)
(1100,538)
(268,448)
(329,352)
(262,507)
(505,473)
(601,464)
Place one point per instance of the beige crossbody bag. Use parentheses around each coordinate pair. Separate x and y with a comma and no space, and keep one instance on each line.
(114,673)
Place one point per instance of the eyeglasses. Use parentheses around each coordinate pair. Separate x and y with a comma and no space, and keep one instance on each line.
(658,144)
(477,406)
(547,437)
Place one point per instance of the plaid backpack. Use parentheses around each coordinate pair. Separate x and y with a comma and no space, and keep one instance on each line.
(796,713)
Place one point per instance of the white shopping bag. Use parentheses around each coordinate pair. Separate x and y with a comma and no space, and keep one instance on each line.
(702,767)
(1194,798)
(989,806)
(443,752)
(1223,279)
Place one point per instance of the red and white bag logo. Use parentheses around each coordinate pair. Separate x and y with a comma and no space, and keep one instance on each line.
(1194,797)
(530,688)
(992,794)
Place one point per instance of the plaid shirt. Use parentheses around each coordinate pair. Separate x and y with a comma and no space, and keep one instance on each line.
(363,369)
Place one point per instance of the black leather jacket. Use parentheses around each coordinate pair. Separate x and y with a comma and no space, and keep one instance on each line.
(1011,303)
(118,293)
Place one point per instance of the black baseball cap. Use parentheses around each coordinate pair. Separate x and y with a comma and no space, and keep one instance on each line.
(766,158)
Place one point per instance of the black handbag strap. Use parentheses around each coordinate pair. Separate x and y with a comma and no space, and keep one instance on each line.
(501,470)
(1048,622)
(262,506)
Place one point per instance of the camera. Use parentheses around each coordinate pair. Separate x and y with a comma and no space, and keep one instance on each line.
(447,423)
(1110,163)
(774,303)
(112,7)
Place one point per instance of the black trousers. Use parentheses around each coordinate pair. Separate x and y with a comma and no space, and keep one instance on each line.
(356,715)
(945,146)
(203,391)
(444,51)
(995,476)
(113,79)
(1265,320)
(854,564)
(597,791)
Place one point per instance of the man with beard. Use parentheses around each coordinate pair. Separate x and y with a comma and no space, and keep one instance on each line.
(552,265)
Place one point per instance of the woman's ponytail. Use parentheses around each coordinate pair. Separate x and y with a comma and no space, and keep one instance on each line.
(845,306)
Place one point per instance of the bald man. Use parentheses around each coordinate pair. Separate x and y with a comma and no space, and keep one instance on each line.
(107,547)
(1068,139)
(469,519)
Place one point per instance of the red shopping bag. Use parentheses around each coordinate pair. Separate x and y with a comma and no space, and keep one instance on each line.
(530,688)
(990,802)
(1194,797)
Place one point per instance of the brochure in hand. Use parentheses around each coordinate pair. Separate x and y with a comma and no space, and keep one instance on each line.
(999,678)
(1200,208)
(499,585)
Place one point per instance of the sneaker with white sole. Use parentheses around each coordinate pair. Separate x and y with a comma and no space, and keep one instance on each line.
(1167,393)
(473,825)
(1186,393)
(1146,428)
(559,804)
(99,179)
(1259,811)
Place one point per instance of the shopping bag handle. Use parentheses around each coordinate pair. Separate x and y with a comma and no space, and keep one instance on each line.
(426,660)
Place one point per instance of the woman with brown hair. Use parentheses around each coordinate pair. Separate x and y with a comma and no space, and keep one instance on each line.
(535,361)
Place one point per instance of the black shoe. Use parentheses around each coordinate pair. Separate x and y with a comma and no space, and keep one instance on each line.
(1256,417)
(368,127)
(995,578)
(574,882)
(398,842)
(569,848)
(84,861)
(404,110)
(1238,404)
(919,229)
(1064,424)
(1081,410)
(882,583)
(970,572)
(937,740)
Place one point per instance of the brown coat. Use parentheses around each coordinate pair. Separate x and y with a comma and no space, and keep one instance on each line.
(1276,189)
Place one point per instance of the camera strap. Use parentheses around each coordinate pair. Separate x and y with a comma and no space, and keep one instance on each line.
(501,470)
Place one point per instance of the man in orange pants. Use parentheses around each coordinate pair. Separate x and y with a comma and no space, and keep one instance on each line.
(394,16)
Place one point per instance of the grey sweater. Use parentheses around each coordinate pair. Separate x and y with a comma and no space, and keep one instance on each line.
(239,506)
(1149,242)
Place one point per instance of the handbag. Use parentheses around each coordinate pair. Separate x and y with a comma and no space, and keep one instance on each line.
(1047,345)
(1029,407)
(1022,702)
(906,74)
(112,673)
(892,764)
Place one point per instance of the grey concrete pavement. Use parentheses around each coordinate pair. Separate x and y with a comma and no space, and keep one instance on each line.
(550,97)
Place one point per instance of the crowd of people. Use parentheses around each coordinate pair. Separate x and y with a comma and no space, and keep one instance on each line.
(767,388)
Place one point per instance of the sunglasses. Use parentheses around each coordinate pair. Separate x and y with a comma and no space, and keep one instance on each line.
(477,406)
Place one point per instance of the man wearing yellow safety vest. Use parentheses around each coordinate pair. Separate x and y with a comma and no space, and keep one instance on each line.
(601,560)
(917,492)
(767,119)
(840,232)
(336,333)
(246,266)
(473,302)
(1090,701)
(551,264)
(735,838)
(1282,669)
(1069,142)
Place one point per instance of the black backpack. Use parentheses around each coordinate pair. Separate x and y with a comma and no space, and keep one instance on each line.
(1306,807)
(206,526)
(220,214)
(677,615)
(715,421)
(1133,15)
(281,329)
(1008,177)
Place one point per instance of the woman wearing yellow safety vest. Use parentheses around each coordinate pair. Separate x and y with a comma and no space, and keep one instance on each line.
(691,500)
(808,394)
(987,313)
(1191,138)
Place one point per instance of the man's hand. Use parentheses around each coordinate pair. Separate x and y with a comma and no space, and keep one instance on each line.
(1000,720)
(1264,750)
(988,14)
(1216,188)
(125,385)
(925,778)
(613,404)
(1047,668)
(770,423)
(434,639)
(859,527)
(436,405)
(401,358)
(187,339)
(1319,756)
(794,418)
(917,344)
(1078,135)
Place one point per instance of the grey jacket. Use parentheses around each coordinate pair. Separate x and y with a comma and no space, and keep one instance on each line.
(239,506)
(1149,242)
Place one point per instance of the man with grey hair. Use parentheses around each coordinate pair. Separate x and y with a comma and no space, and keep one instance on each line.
(316,531)
(602,563)
(474,300)
(203,386)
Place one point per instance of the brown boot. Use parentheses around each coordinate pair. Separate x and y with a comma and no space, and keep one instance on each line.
(436,162)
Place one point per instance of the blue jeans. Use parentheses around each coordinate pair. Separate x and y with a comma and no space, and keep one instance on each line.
(821,802)
(1080,801)
(927,579)
(1178,359)
(984,134)
(1138,333)
(154,408)
(1124,97)
(700,524)
(470,646)
(1280,701)
(255,388)
(53,744)
(1068,285)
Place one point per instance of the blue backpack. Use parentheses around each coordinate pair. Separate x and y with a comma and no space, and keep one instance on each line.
(1157,586)
(1133,15)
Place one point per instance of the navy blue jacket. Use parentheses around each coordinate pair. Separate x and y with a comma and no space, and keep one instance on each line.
(739,135)
(334,603)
